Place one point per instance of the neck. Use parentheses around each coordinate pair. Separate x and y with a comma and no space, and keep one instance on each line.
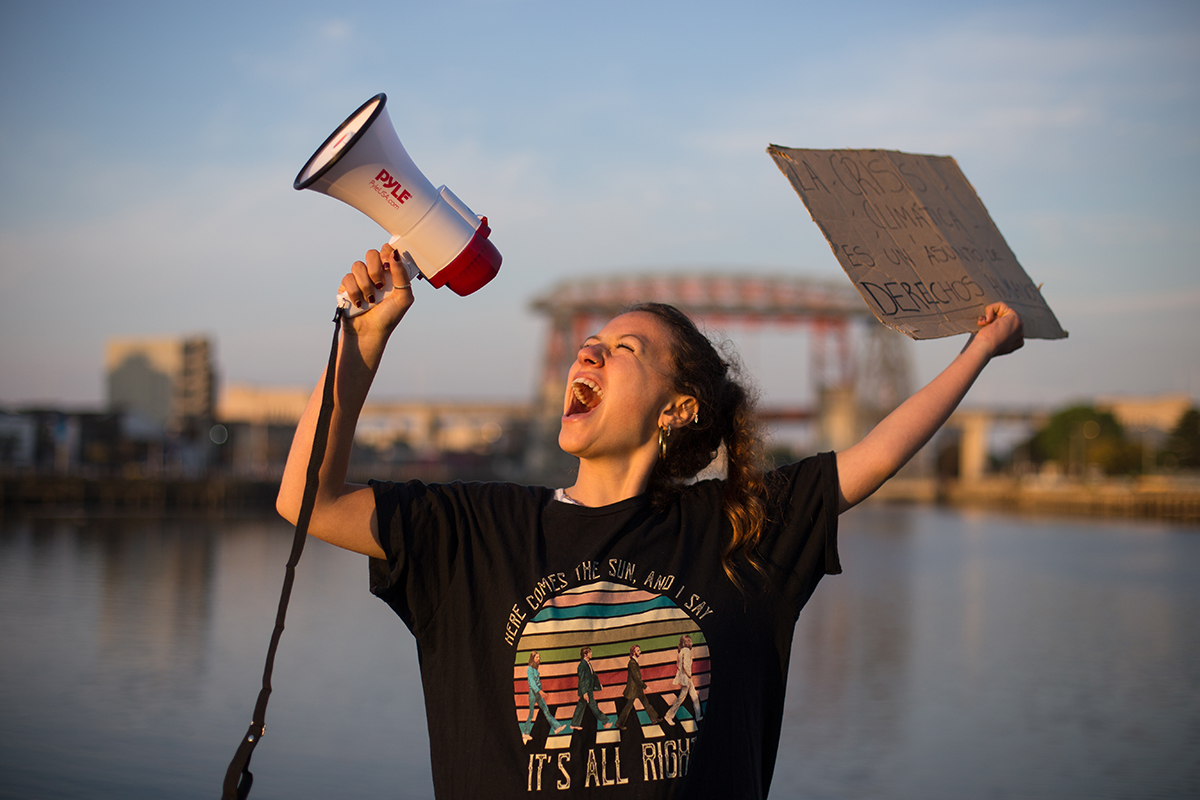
(602,482)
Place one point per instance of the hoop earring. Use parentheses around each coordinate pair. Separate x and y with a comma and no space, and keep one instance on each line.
(664,433)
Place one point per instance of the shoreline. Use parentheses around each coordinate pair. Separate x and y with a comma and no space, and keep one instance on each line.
(1174,499)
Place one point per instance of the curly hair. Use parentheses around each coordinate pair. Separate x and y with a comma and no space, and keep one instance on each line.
(725,416)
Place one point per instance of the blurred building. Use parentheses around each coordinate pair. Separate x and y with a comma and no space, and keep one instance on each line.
(1146,413)
(18,440)
(61,441)
(1147,419)
(165,386)
(256,426)
(479,438)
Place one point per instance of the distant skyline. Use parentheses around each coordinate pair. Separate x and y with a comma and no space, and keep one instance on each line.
(145,181)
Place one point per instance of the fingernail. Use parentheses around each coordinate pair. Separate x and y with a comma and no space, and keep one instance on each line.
(396,256)
(358,303)
(379,285)
(371,299)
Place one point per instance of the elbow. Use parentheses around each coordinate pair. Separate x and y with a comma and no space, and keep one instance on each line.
(287,507)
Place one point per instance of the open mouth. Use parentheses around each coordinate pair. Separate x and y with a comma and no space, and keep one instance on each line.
(586,394)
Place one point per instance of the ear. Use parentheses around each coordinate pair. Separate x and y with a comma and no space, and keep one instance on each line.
(680,412)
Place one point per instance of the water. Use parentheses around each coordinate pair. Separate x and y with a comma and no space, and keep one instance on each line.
(960,655)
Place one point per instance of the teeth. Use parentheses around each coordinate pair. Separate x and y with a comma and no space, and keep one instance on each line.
(587,391)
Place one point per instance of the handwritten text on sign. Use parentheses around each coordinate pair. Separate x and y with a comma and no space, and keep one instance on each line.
(915,239)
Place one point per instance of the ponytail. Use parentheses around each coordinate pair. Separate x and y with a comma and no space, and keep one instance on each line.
(725,416)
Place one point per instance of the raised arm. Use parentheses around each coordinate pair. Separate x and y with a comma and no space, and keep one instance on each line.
(864,467)
(344,513)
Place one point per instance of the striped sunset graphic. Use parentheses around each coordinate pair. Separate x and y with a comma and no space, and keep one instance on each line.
(609,618)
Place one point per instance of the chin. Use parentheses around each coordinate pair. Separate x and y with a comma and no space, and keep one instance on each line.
(567,446)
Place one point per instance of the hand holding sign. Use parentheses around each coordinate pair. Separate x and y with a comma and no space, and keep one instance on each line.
(915,239)
(1001,329)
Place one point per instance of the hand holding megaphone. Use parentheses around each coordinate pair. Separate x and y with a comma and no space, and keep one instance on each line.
(400,272)
(378,280)
(440,239)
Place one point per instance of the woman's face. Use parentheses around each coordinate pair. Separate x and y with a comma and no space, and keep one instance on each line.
(618,389)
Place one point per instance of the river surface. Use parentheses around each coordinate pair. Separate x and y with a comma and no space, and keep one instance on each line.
(960,655)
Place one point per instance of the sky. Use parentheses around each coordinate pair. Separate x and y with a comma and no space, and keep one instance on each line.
(149,151)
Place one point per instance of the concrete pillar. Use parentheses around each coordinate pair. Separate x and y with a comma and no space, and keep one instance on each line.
(837,414)
(424,430)
(973,445)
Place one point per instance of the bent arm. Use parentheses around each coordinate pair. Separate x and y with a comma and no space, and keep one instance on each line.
(864,467)
(344,513)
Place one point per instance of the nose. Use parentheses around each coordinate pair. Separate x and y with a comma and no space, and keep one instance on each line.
(592,355)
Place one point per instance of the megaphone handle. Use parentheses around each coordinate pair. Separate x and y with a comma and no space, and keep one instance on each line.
(410,270)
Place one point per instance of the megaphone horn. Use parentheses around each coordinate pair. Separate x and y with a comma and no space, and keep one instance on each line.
(363,164)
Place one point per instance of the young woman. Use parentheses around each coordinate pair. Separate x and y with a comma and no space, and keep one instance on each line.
(631,552)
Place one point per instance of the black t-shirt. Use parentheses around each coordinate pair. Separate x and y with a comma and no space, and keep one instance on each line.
(484,574)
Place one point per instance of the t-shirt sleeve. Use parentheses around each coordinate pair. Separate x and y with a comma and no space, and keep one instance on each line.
(419,561)
(799,546)
(439,536)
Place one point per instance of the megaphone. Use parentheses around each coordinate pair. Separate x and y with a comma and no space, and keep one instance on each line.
(363,164)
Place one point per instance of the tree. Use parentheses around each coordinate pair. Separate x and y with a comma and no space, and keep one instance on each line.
(1080,436)
(1183,445)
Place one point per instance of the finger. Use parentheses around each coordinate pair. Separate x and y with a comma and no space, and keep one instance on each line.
(349,285)
(994,312)
(400,270)
(362,277)
(388,254)
(375,269)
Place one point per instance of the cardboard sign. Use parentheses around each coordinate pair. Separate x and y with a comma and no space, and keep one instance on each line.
(915,239)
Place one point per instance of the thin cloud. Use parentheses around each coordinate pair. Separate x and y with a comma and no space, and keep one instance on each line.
(337,30)
(984,84)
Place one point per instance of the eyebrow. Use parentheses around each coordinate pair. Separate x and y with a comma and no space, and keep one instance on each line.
(640,340)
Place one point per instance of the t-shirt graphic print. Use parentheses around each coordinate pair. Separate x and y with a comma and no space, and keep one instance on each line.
(617,674)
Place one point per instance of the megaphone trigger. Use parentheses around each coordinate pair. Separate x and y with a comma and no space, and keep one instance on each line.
(408,269)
